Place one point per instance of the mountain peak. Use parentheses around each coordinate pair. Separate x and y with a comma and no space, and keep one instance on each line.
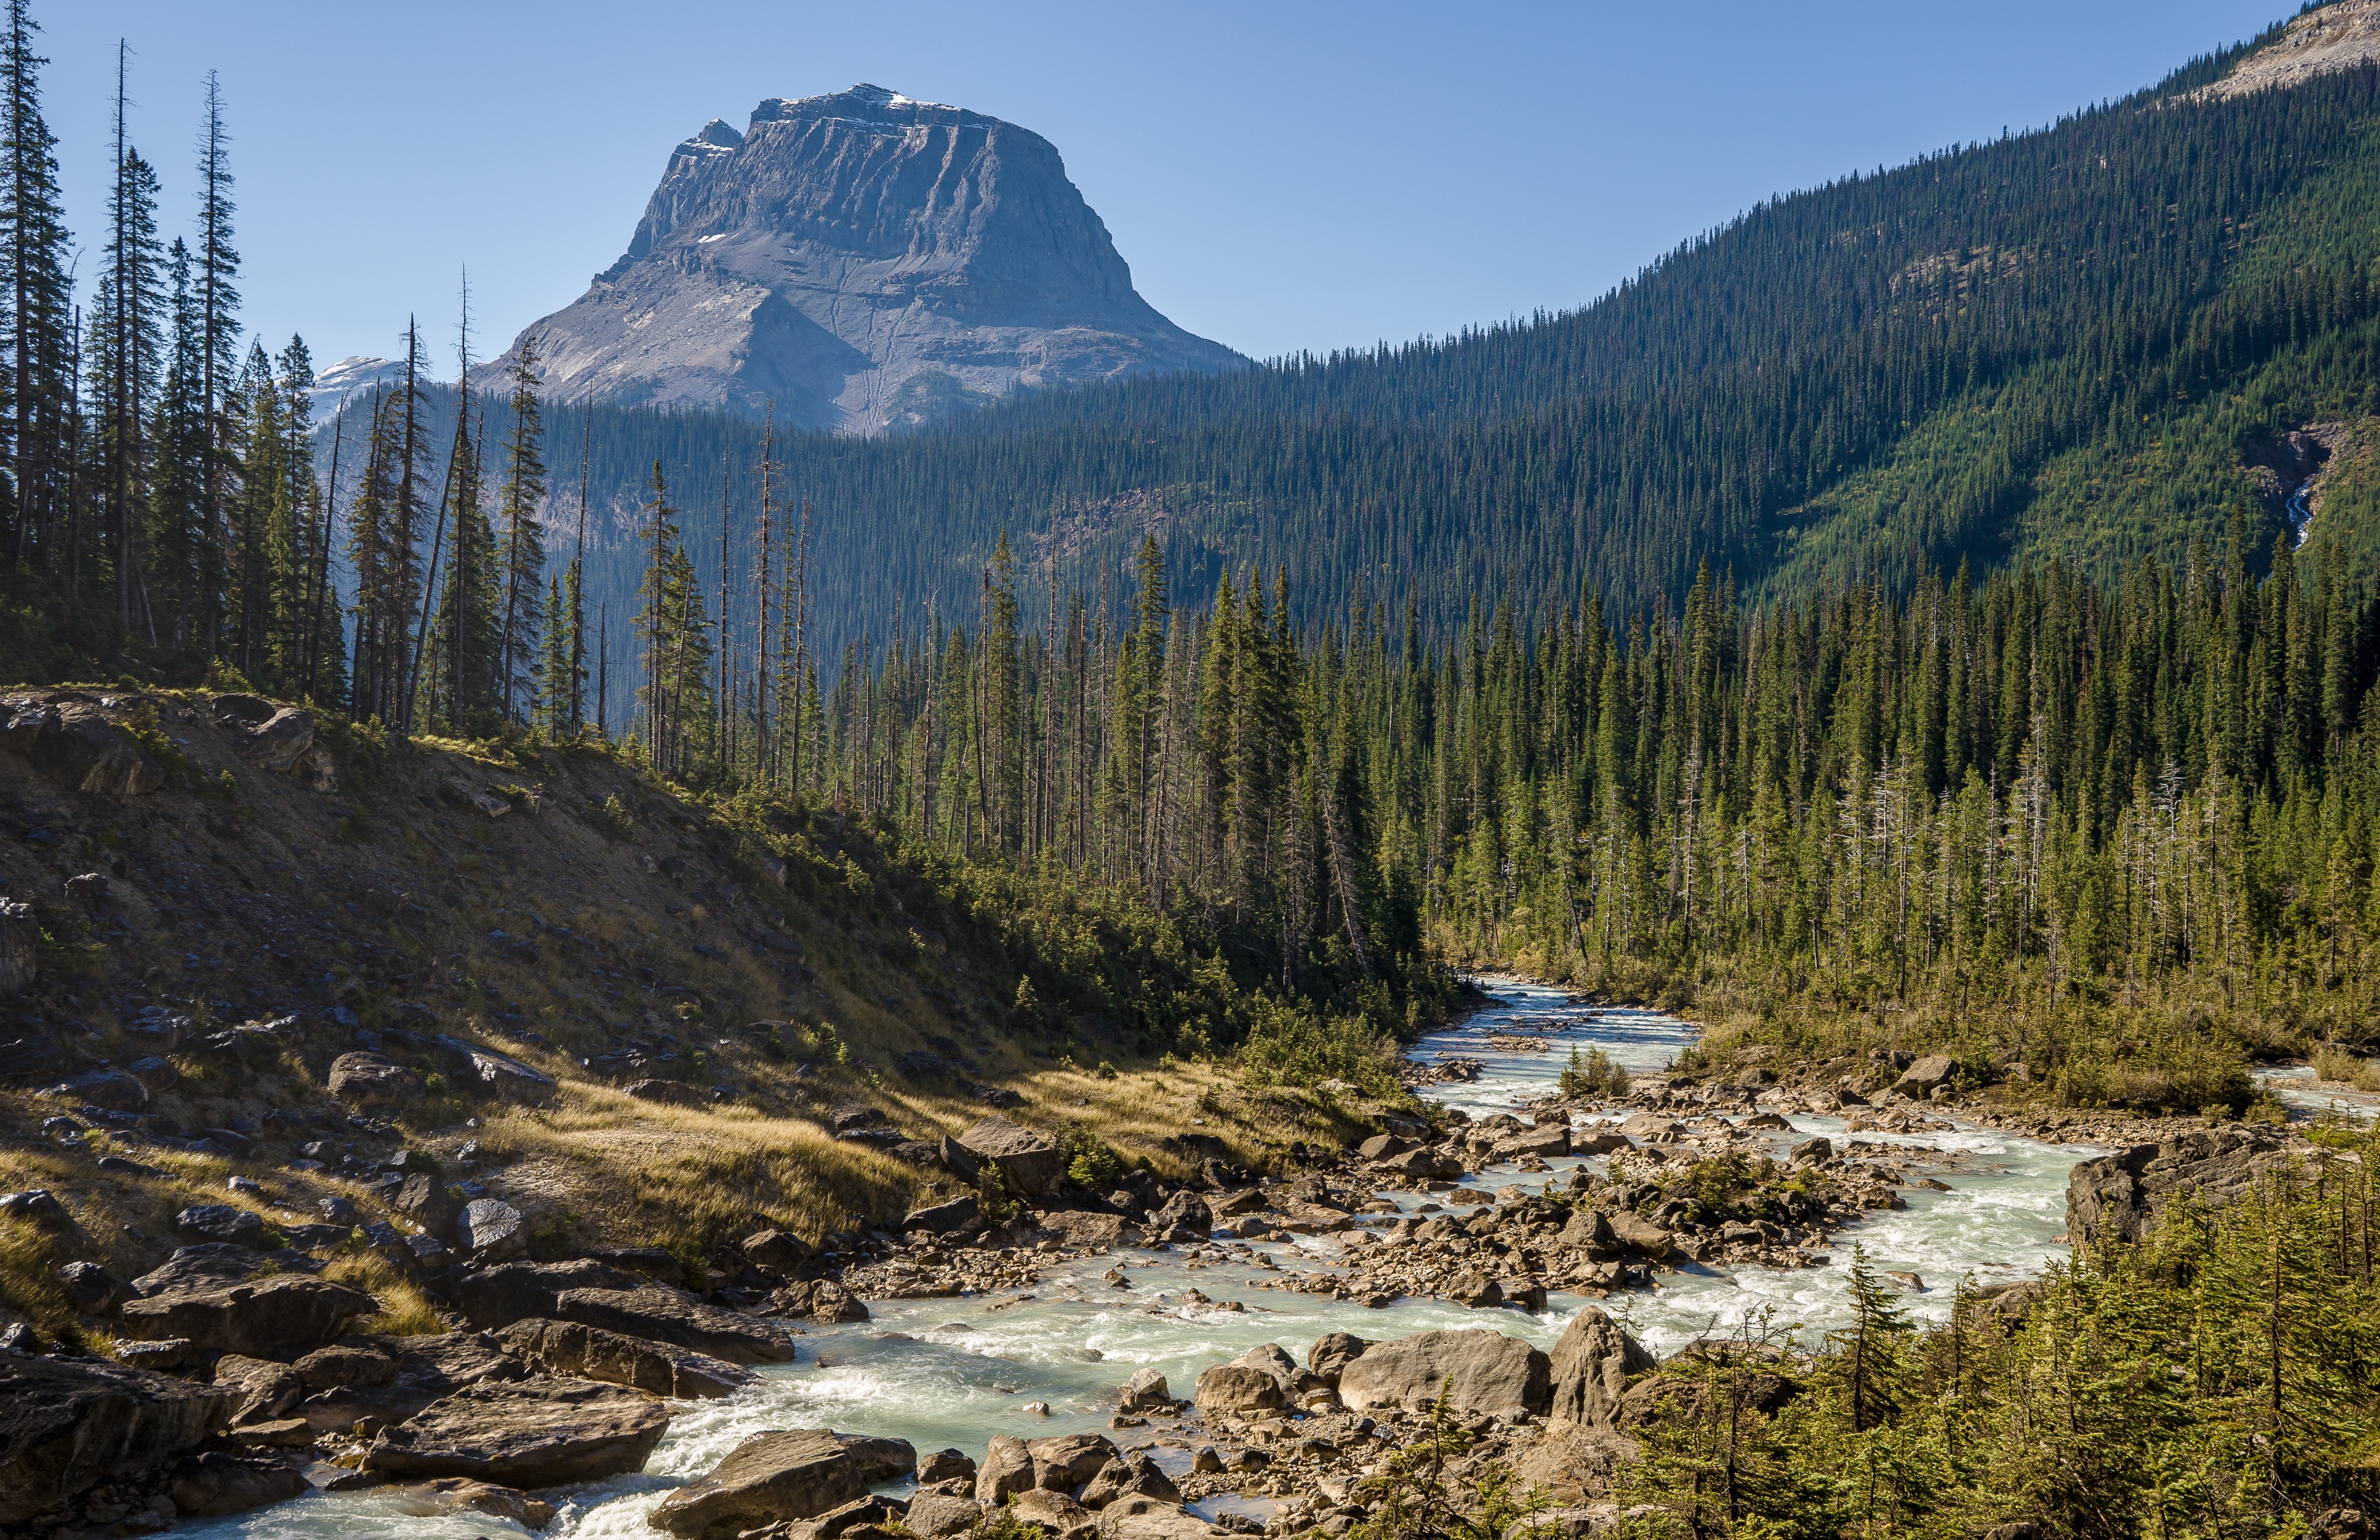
(857,260)
(2342,35)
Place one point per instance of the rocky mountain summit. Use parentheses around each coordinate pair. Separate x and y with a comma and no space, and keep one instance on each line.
(860,260)
(2344,35)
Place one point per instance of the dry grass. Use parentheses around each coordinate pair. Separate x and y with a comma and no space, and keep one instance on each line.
(404,1309)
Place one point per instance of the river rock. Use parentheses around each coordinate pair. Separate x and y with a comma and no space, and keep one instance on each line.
(1331,1353)
(1129,1473)
(1086,1229)
(266,1390)
(1240,1388)
(1590,1369)
(1547,1140)
(880,1460)
(1474,1289)
(799,1474)
(1065,1463)
(495,1297)
(1641,1236)
(570,1349)
(1055,1513)
(1007,1469)
(1146,1519)
(1427,1161)
(215,1483)
(528,1433)
(964,1212)
(1145,1391)
(1921,1077)
(343,1366)
(1029,1164)
(455,1493)
(282,1316)
(372,1078)
(424,1370)
(69,1425)
(779,1250)
(945,1465)
(1589,1229)
(1482,1371)
(665,1315)
(2119,1196)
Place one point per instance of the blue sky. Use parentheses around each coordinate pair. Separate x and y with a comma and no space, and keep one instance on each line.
(1280,177)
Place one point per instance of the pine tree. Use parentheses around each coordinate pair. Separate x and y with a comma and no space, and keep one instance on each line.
(218,301)
(38,323)
(523,612)
(124,370)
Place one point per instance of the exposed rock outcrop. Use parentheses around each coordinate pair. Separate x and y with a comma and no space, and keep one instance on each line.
(530,1433)
(1481,1372)
(859,260)
(799,1474)
(2119,1195)
(68,1425)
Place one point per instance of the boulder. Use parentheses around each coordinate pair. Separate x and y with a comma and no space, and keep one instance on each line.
(671,1316)
(1331,1353)
(490,1229)
(111,1089)
(155,1072)
(527,1433)
(68,1425)
(1641,1236)
(937,1517)
(1185,1210)
(74,743)
(568,1349)
(880,1460)
(1919,1078)
(1239,1389)
(454,1494)
(1474,1289)
(370,1078)
(1146,1519)
(1481,1372)
(2119,1196)
(282,1316)
(1085,1230)
(215,1483)
(1007,1469)
(36,1205)
(798,1474)
(275,745)
(264,1389)
(1815,1150)
(1145,1391)
(1599,1142)
(89,1287)
(1129,1475)
(219,1222)
(1426,1162)
(1588,1228)
(1381,1146)
(423,1200)
(1591,1366)
(423,1370)
(964,1212)
(1545,1141)
(343,1366)
(945,1465)
(665,1093)
(489,1072)
(496,1297)
(1054,1512)
(821,1299)
(1065,1463)
(1027,1163)
(780,1250)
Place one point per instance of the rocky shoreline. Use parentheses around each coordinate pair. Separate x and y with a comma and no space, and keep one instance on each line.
(245,1381)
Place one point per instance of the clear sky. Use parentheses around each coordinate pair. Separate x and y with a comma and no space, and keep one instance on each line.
(1279,176)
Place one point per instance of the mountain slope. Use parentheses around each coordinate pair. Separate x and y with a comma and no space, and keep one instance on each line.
(857,260)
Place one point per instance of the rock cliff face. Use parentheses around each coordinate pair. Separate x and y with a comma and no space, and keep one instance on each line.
(2343,36)
(860,260)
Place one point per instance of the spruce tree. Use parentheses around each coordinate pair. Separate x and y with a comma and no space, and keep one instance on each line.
(38,323)
(524,611)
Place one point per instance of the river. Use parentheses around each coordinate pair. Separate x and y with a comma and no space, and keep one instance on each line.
(952,1372)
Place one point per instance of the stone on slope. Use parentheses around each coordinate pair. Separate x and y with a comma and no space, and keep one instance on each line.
(69,1425)
(490,1229)
(75,744)
(1481,1372)
(1591,1366)
(1922,1077)
(797,1473)
(369,1078)
(219,1222)
(579,1351)
(421,1370)
(665,1315)
(940,1516)
(527,1433)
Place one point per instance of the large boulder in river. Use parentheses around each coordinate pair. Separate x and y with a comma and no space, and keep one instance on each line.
(798,1474)
(527,1433)
(2119,1196)
(68,1425)
(213,1484)
(1028,1162)
(390,1378)
(205,1296)
(590,1352)
(1480,1372)
(1591,1366)
(1260,1382)
(597,1295)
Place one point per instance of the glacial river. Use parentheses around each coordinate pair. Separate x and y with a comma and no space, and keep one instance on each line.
(952,1372)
